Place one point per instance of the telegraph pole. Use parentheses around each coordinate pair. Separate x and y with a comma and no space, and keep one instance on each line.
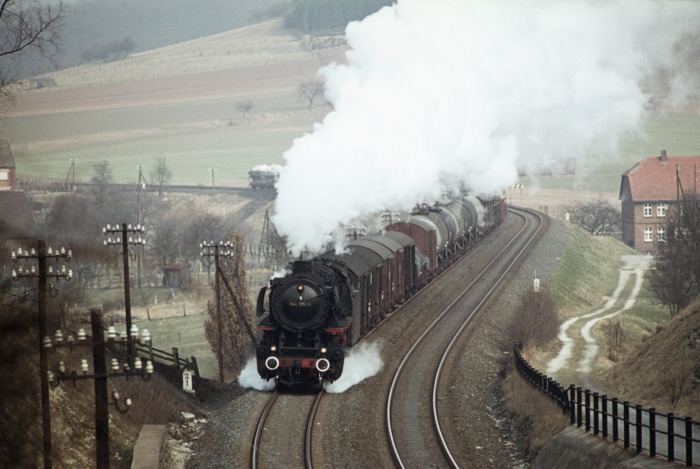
(215,250)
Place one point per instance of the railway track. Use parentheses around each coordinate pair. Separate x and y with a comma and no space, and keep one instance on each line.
(277,441)
(415,433)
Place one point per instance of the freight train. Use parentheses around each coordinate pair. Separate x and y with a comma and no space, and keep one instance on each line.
(324,305)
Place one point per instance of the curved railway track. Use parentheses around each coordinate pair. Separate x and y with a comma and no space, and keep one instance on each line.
(270,435)
(416,436)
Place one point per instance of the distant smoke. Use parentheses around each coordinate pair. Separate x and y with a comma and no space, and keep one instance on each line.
(249,377)
(363,361)
(437,92)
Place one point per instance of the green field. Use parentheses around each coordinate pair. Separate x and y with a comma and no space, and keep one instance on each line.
(234,148)
(678,134)
(187,334)
(193,136)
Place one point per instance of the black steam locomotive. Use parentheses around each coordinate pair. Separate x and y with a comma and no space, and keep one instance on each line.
(306,331)
(327,304)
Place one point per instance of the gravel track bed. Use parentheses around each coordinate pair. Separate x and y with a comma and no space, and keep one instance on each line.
(351,430)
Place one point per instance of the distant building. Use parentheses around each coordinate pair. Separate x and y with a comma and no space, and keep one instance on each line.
(7,167)
(648,190)
(38,83)
(176,275)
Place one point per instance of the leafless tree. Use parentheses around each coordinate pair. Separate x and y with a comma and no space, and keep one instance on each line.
(615,339)
(244,107)
(203,227)
(536,321)
(161,174)
(237,312)
(675,279)
(676,380)
(27,26)
(309,90)
(597,218)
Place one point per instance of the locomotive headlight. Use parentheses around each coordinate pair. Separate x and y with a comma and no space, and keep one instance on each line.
(324,349)
(300,288)
(273,348)
(323,365)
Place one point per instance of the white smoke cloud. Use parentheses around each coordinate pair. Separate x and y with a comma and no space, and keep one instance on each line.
(249,377)
(443,91)
(362,362)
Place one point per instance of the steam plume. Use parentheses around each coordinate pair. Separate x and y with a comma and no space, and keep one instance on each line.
(437,92)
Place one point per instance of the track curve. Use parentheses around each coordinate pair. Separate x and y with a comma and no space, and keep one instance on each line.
(412,405)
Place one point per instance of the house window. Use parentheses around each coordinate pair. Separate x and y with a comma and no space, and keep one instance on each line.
(661,234)
(4,175)
(661,210)
(647,210)
(648,235)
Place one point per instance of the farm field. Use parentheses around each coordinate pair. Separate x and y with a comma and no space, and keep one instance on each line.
(180,102)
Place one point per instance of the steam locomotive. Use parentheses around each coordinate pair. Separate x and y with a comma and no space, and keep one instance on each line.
(324,305)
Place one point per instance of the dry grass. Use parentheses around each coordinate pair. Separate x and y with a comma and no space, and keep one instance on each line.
(645,375)
(536,417)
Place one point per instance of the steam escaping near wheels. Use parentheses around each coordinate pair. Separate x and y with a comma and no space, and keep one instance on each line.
(249,377)
(362,362)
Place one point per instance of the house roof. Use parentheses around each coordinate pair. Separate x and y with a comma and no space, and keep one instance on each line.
(6,159)
(655,178)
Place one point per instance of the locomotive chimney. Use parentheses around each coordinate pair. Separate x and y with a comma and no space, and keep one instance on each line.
(663,158)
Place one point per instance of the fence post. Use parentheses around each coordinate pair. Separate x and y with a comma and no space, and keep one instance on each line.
(638,426)
(671,437)
(195,367)
(605,416)
(626,423)
(572,401)
(652,432)
(176,358)
(579,407)
(688,442)
(595,413)
(588,410)
(614,419)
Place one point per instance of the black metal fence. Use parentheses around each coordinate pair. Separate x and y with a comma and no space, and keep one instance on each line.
(645,429)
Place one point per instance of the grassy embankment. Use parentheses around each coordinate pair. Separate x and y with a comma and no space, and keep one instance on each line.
(585,279)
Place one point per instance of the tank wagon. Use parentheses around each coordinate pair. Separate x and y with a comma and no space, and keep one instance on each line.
(324,305)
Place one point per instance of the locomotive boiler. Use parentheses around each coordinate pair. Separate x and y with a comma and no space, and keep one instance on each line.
(305,330)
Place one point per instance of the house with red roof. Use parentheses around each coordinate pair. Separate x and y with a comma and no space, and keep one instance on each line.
(648,190)
(7,166)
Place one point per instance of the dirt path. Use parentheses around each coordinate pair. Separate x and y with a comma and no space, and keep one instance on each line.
(578,343)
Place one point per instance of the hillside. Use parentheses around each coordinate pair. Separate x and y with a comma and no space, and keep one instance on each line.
(178,101)
(667,358)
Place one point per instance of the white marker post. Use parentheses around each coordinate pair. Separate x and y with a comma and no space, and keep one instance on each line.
(187,381)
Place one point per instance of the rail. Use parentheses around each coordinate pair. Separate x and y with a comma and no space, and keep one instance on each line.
(631,425)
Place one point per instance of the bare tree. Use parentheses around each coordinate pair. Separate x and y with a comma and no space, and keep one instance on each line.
(597,218)
(677,381)
(536,320)
(237,311)
(675,279)
(204,227)
(25,27)
(244,107)
(308,90)
(161,174)
(615,339)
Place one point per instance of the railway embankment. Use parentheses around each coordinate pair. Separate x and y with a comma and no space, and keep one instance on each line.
(575,448)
